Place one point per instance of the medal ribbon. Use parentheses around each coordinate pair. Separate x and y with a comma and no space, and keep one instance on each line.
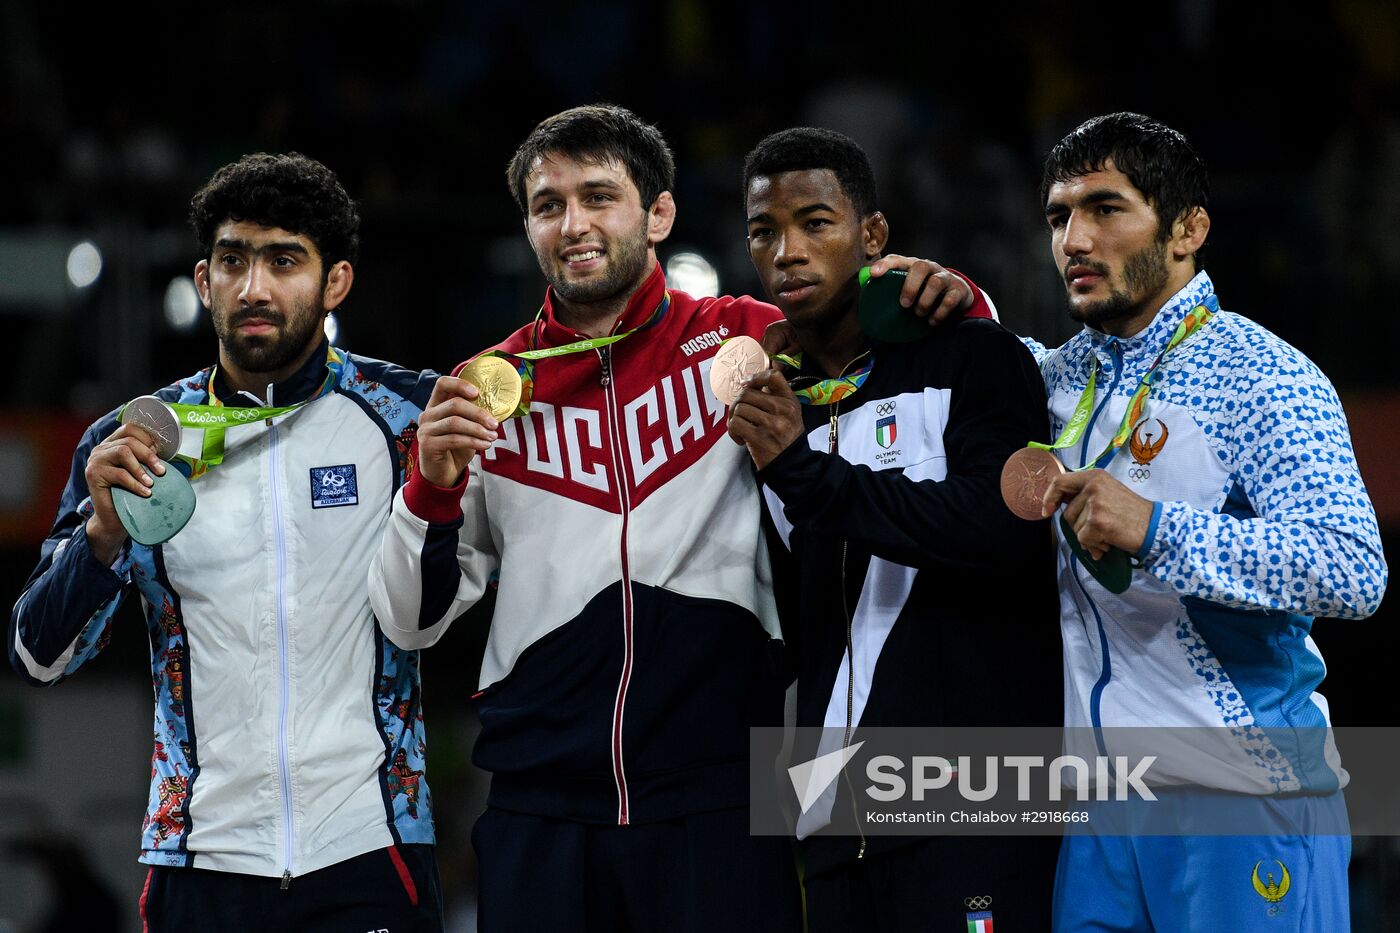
(828,391)
(1195,319)
(216,418)
(524,360)
(825,391)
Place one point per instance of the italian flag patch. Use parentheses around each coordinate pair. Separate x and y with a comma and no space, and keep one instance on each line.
(980,922)
(885,431)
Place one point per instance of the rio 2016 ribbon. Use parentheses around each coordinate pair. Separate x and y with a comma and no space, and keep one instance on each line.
(830,391)
(216,418)
(1027,475)
(159,516)
(823,391)
(1195,319)
(523,362)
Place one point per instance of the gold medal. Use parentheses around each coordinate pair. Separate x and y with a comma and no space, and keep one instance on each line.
(498,382)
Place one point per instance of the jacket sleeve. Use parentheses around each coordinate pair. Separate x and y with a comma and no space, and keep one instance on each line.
(997,405)
(62,618)
(1311,544)
(436,559)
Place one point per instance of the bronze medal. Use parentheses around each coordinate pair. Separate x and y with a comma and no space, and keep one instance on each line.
(1026,478)
(739,360)
(498,382)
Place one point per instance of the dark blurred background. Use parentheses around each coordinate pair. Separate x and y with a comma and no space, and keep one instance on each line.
(110,120)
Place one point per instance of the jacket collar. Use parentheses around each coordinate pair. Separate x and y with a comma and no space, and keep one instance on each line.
(1153,339)
(639,309)
(297,387)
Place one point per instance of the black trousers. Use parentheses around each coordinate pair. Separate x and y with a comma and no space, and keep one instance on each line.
(702,872)
(394,890)
(934,884)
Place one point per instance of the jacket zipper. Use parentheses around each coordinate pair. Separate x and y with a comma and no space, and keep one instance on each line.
(1105,663)
(619,769)
(283,665)
(833,432)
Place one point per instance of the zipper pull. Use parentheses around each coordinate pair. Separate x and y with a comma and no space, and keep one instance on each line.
(605,355)
(286,879)
(831,433)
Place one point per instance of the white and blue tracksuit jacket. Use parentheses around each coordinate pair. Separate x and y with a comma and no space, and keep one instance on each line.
(288,730)
(1260,523)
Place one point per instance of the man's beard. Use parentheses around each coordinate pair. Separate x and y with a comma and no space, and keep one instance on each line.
(1144,276)
(266,354)
(627,260)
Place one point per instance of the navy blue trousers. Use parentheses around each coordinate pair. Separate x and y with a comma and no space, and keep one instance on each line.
(702,872)
(394,890)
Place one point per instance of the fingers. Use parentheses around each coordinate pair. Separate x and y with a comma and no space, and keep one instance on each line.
(933,288)
(452,430)
(771,382)
(457,406)
(930,290)
(955,298)
(125,460)
(888,262)
(448,430)
(450,387)
(768,405)
(1079,511)
(141,442)
(1101,511)
(1063,489)
(741,430)
(922,286)
(780,337)
(1080,516)
(121,468)
(925,281)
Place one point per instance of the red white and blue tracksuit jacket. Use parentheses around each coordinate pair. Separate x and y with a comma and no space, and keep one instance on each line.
(635,637)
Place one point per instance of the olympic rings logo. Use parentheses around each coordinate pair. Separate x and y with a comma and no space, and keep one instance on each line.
(981,902)
(1139,474)
(885,408)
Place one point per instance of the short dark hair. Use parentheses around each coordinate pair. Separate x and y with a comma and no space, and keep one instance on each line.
(598,133)
(1156,158)
(287,190)
(807,147)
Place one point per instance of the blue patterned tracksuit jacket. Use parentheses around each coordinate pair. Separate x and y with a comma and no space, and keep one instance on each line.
(288,731)
(1260,523)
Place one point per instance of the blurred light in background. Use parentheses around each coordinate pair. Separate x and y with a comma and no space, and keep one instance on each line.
(84,264)
(181,303)
(692,274)
(332,327)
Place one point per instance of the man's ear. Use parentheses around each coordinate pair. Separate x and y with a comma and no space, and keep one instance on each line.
(874,234)
(201,282)
(661,218)
(338,281)
(1189,233)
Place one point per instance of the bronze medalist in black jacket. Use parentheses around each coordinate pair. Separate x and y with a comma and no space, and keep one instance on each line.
(922,600)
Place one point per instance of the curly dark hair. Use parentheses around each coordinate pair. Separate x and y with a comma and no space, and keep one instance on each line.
(808,147)
(598,133)
(288,190)
(1157,159)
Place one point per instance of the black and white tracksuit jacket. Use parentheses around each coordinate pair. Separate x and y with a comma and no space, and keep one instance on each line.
(923,601)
